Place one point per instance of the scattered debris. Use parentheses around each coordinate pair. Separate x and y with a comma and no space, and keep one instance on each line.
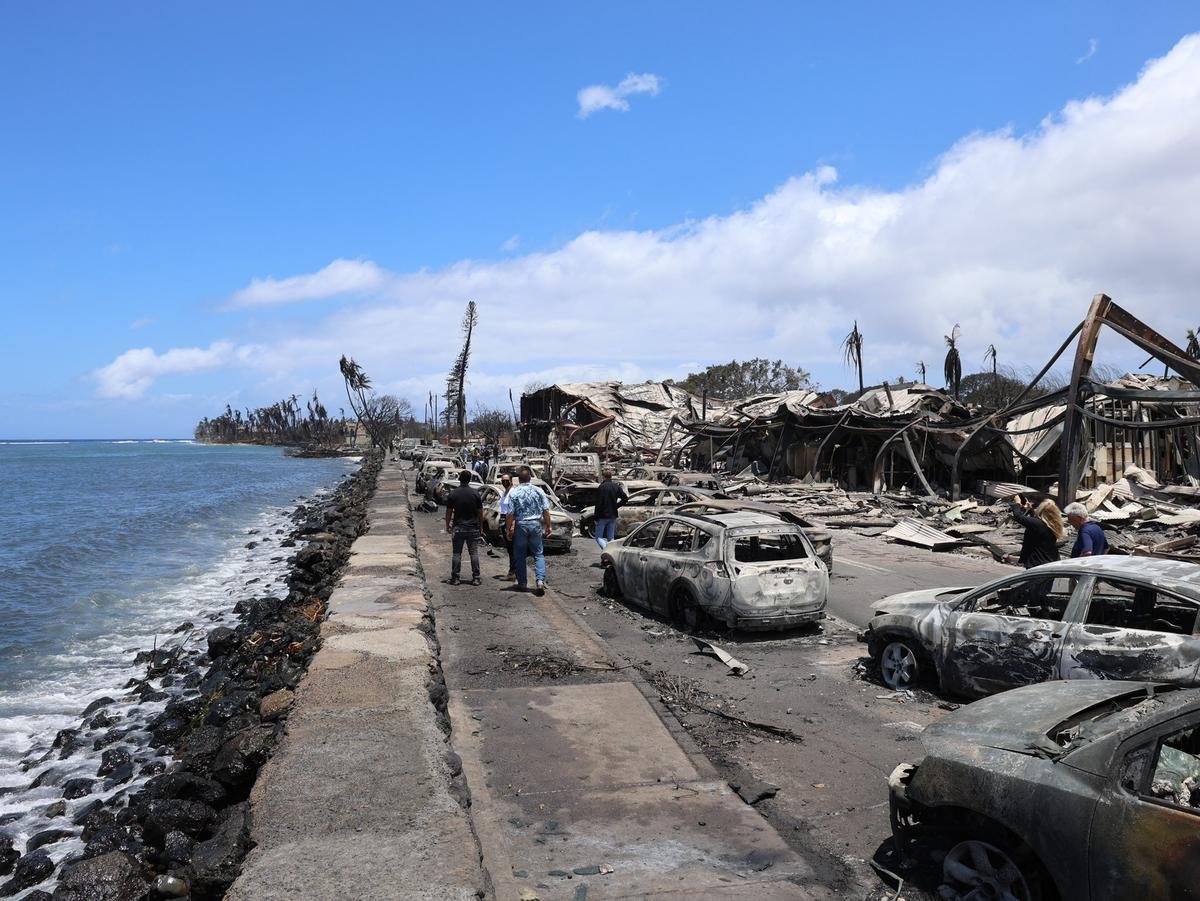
(735,666)
(753,791)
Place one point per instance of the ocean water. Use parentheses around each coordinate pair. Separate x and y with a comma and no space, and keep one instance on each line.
(105,548)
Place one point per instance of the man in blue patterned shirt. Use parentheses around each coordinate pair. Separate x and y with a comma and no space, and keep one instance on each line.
(528,523)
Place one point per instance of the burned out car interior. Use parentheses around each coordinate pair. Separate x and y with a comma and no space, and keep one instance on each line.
(1040,597)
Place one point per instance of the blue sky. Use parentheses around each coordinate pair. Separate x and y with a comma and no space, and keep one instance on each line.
(158,159)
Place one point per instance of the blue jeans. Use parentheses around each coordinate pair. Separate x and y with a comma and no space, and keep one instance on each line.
(606,531)
(527,542)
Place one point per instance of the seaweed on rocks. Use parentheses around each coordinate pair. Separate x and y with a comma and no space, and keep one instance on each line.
(185,831)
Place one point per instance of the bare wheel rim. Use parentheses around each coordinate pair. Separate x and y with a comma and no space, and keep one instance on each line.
(979,871)
(898,664)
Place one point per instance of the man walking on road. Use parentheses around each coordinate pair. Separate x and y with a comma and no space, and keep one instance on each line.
(528,523)
(464,521)
(505,509)
(1090,540)
(609,497)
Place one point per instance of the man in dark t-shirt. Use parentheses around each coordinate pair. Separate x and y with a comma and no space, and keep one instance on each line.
(609,497)
(464,522)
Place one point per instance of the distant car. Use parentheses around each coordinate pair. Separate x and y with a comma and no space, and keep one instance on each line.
(641,506)
(1107,617)
(820,538)
(564,468)
(509,467)
(1081,791)
(741,570)
(562,523)
(446,479)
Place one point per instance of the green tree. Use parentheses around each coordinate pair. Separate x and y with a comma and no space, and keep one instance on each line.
(733,380)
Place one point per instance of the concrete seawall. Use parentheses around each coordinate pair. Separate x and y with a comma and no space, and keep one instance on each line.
(359,801)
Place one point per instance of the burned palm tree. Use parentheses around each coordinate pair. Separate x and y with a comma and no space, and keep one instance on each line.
(990,354)
(921,370)
(952,367)
(852,352)
(456,381)
(357,385)
(1192,344)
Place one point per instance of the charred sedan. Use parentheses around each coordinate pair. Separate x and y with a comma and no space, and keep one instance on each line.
(1082,791)
(1093,618)
(741,570)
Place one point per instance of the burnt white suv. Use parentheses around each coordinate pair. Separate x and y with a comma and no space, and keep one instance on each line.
(743,570)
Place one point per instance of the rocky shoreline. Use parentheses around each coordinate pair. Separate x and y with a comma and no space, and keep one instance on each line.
(184,831)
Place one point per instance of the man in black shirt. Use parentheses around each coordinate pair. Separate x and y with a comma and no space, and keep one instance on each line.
(464,521)
(609,497)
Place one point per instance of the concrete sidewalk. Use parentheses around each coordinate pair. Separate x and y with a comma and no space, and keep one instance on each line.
(357,802)
(582,788)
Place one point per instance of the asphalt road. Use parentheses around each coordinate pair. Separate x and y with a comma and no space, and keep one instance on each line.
(821,730)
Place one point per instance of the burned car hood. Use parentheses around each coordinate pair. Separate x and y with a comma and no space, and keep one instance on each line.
(1020,720)
(915,603)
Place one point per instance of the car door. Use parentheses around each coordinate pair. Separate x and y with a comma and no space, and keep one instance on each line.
(665,562)
(1008,633)
(1132,630)
(1145,835)
(631,563)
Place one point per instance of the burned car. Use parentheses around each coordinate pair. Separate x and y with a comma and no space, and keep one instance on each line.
(1105,617)
(741,570)
(1081,791)
(562,523)
(670,476)
(820,538)
(445,479)
(427,469)
(641,506)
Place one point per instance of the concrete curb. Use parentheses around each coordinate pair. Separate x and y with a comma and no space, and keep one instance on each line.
(359,801)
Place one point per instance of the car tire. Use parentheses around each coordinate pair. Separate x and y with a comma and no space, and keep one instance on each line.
(587,530)
(686,612)
(1004,864)
(901,665)
(612,586)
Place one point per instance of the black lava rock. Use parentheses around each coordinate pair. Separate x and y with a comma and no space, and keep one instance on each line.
(177,851)
(187,787)
(217,862)
(96,705)
(46,837)
(8,856)
(106,839)
(172,815)
(221,641)
(29,871)
(77,788)
(112,759)
(109,877)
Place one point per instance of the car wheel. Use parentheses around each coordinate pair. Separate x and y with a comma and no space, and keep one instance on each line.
(587,530)
(981,869)
(686,614)
(612,588)
(900,666)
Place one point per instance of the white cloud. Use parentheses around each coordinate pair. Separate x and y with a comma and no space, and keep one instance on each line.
(142,323)
(339,278)
(597,97)
(1010,235)
(131,374)
(1093,46)
(511,244)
